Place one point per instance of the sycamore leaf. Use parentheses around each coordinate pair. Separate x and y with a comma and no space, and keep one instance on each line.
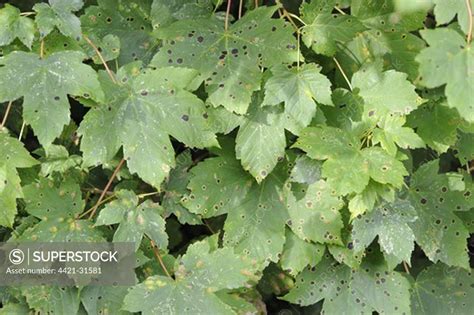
(316,217)
(52,299)
(385,92)
(141,114)
(165,12)
(134,220)
(391,134)
(261,140)
(200,273)
(256,227)
(465,147)
(12,156)
(103,299)
(324,31)
(446,10)
(388,221)
(347,167)
(229,60)
(298,254)
(12,26)
(298,88)
(59,13)
(129,20)
(366,200)
(58,208)
(438,231)
(440,289)
(57,159)
(436,114)
(45,85)
(306,170)
(448,61)
(373,287)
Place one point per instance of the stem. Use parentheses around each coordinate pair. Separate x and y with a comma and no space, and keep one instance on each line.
(148,194)
(406,267)
(4,121)
(339,10)
(156,251)
(103,201)
(469,12)
(241,4)
(227,13)
(256,3)
(102,195)
(343,73)
(27,13)
(21,130)
(109,72)
(298,39)
(42,49)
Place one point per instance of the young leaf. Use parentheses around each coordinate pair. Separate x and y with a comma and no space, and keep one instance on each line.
(447,61)
(45,85)
(134,220)
(13,25)
(59,13)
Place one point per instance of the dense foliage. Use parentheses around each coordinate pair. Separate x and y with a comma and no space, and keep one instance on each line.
(263,157)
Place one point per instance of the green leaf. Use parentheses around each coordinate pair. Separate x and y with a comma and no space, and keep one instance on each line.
(58,160)
(436,114)
(165,12)
(129,20)
(52,299)
(306,170)
(134,220)
(256,227)
(298,88)
(261,141)
(465,147)
(199,276)
(447,61)
(391,133)
(45,85)
(103,299)
(438,231)
(446,10)
(12,26)
(59,13)
(217,186)
(229,60)
(440,289)
(388,221)
(348,168)
(13,155)
(298,254)
(141,113)
(385,92)
(373,287)
(316,216)
(325,32)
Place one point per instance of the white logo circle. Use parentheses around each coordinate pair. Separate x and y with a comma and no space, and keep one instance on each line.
(16,256)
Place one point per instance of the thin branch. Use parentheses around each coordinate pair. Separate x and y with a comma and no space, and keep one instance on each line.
(406,267)
(102,195)
(109,72)
(241,4)
(469,12)
(21,130)
(4,121)
(227,13)
(156,251)
(343,73)
(339,10)
(256,3)
(42,49)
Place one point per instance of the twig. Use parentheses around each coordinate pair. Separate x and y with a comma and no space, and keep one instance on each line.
(406,267)
(102,202)
(469,12)
(21,130)
(339,10)
(4,121)
(241,4)
(102,195)
(27,13)
(109,72)
(148,194)
(227,13)
(156,251)
(343,73)
(42,49)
